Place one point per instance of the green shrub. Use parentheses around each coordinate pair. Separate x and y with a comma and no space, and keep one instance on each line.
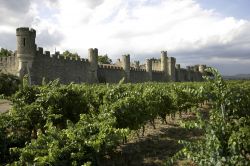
(9,84)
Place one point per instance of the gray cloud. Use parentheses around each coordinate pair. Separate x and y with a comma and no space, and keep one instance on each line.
(232,69)
(90,3)
(52,3)
(8,40)
(14,12)
(220,57)
(237,48)
(20,6)
(229,58)
(216,51)
(223,64)
(94,3)
(45,39)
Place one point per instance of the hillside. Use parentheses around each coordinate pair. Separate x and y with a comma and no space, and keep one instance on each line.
(238,77)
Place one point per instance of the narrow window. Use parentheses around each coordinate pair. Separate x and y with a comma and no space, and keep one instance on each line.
(23,41)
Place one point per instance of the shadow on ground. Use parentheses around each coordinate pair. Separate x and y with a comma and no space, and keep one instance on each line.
(154,148)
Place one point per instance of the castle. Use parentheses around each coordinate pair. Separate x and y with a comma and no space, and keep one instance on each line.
(38,64)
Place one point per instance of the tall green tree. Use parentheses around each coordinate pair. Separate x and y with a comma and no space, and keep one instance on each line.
(104,59)
(5,52)
(68,54)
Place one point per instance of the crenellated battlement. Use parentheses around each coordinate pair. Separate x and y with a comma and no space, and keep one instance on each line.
(136,69)
(164,53)
(156,60)
(7,59)
(157,71)
(9,64)
(57,56)
(39,63)
(25,31)
(39,50)
(108,66)
(183,69)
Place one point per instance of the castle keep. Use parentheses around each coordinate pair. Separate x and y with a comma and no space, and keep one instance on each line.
(39,64)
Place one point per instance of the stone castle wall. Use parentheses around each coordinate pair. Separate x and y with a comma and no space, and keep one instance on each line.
(9,64)
(109,73)
(39,65)
(138,75)
(156,64)
(158,76)
(52,67)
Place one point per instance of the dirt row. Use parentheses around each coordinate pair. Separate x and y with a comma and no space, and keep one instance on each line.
(156,146)
(5,105)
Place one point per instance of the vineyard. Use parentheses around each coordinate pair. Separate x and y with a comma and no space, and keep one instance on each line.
(80,124)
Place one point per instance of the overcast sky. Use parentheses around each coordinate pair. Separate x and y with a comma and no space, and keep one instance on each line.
(213,32)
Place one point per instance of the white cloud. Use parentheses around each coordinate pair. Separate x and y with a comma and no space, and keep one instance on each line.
(142,28)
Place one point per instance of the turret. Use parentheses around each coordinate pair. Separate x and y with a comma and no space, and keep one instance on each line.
(189,73)
(164,64)
(178,72)
(196,68)
(26,48)
(195,74)
(171,68)
(93,56)
(40,51)
(202,68)
(126,66)
(149,68)
(25,41)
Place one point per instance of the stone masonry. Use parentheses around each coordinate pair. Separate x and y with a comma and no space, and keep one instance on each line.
(39,64)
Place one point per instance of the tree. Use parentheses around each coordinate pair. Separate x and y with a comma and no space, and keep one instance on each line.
(68,54)
(5,52)
(104,59)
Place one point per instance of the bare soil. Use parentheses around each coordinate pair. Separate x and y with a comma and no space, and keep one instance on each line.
(156,146)
(5,105)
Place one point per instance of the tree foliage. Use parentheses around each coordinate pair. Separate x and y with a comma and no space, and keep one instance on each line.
(104,59)
(68,54)
(227,131)
(5,52)
(9,84)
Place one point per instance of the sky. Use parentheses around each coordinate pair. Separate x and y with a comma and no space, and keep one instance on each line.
(212,32)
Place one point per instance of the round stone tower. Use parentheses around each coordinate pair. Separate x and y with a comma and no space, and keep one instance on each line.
(171,68)
(93,60)
(202,68)
(93,56)
(178,66)
(178,72)
(189,73)
(126,66)
(149,68)
(164,64)
(26,48)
